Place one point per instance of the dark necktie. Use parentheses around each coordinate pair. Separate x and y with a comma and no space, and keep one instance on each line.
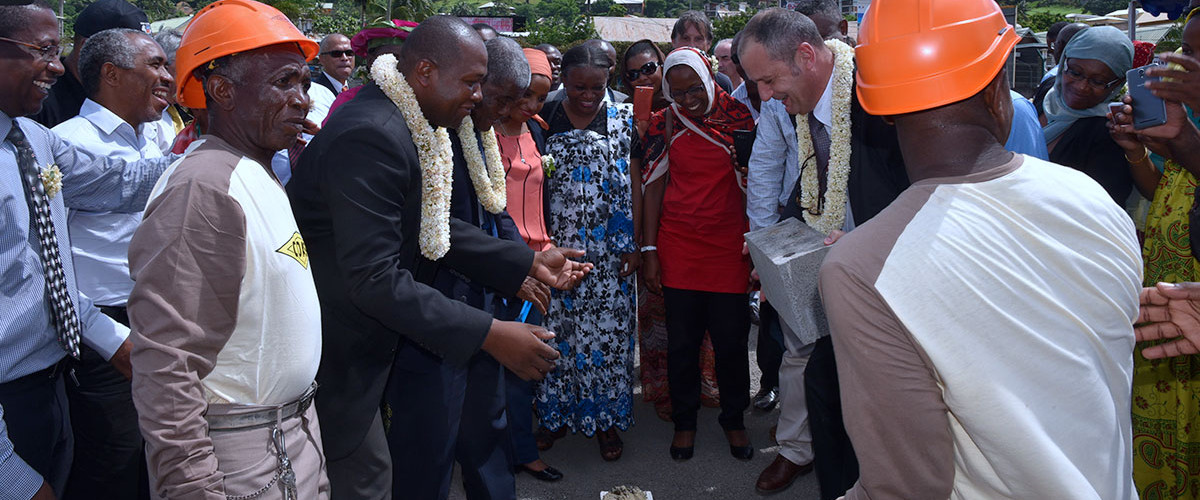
(62,308)
(820,139)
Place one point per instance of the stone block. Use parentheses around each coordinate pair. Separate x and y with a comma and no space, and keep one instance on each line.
(788,256)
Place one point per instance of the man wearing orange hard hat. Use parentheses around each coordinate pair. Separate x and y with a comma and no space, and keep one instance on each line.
(983,321)
(224,309)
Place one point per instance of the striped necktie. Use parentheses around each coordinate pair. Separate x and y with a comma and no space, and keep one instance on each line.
(62,308)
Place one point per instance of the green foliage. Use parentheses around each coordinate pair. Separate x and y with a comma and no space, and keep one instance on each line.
(561,34)
(1100,7)
(617,10)
(727,26)
(655,8)
(345,20)
(1039,21)
(1171,40)
(600,7)
(565,11)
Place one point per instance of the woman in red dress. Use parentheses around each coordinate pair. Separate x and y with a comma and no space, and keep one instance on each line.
(695,216)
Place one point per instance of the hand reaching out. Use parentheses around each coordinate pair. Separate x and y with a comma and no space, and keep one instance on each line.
(1170,311)
(536,292)
(519,348)
(554,267)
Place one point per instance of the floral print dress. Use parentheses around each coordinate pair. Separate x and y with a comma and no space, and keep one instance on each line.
(591,208)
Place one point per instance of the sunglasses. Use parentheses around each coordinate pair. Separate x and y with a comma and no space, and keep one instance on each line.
(646,69)
(339,53)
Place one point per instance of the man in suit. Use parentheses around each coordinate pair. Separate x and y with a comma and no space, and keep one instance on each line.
(784,52)
(357,195)
(426,444)
(337,63)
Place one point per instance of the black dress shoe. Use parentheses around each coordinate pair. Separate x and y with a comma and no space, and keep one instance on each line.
(741,452)
(766,399)
(549,474)
(683,453)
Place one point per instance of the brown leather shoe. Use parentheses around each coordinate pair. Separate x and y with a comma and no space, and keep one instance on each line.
(780,474)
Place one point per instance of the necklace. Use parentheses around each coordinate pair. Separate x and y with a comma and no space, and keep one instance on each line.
(487,169)
(830,213)
(434,152)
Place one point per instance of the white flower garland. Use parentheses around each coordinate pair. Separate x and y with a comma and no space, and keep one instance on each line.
(434,151)
(831,214)
(486,174)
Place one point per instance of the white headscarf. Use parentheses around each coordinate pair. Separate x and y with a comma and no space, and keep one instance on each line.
(692,58)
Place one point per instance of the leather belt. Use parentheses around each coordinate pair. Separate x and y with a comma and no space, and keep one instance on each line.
(263,418)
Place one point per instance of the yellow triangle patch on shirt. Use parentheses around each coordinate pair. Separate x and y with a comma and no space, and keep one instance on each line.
(294,248)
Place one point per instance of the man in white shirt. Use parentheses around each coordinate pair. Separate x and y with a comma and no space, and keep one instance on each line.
(337,63)
(125,76)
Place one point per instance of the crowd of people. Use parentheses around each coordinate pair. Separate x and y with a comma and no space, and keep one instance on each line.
(229,274)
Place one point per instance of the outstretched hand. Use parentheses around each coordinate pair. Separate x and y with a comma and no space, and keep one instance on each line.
(1170,311)
(520,348)
(554,267)
(536,293)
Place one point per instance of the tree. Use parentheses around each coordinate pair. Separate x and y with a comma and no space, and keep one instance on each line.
(560,33)
(655,8)
(727,26)
(562,10)
(1100,7)
(600,7)
(1039,21)
(617,10)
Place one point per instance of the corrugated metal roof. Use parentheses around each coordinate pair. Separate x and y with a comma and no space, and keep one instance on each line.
(630,29)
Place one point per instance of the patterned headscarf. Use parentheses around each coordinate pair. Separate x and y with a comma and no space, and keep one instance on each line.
(379,33)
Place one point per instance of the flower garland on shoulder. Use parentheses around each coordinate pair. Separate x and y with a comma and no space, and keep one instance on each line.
(830,213)
(434,152)
(487,173)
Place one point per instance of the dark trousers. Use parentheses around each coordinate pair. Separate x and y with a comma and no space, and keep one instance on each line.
(519,402)
(441,414)
(835,464)
(110,461)
(770,346)
(726,316)
(38,423)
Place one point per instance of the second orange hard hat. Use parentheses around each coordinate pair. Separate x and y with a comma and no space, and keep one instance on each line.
(228,27)
(915,55)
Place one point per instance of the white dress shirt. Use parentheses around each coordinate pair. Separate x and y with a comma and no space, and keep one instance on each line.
(100,240)
(337,84)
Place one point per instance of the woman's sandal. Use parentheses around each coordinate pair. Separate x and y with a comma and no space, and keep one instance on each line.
(611,445)
(545,438)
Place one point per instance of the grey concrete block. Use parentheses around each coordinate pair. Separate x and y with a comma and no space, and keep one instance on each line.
(787,257)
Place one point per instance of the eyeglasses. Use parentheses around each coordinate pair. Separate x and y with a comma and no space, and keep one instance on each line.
(47,53)
(694,92)
(339,53)
(1092,82)
(646,69)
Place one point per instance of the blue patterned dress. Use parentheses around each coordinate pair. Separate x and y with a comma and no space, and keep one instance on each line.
(591,208)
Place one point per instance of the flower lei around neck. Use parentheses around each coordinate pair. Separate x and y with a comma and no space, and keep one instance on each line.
(434,152)
(487,172)
(829,214)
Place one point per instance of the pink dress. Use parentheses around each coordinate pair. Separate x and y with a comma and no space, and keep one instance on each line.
(525,180)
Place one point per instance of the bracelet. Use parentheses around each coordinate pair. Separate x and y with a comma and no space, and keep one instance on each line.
(1145,153)
(649,248)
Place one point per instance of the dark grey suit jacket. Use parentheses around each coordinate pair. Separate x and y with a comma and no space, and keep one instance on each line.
(356,195)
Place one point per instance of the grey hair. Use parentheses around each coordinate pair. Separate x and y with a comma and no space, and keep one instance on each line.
(169,41)
(780,32)
(831,8)
(694,18)
(506,63)
(108,46)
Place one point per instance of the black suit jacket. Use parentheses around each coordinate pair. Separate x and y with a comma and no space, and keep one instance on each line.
(319,77)
(877,172)
(356,195)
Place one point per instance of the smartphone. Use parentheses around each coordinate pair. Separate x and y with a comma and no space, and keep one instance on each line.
(642,98)
(743,143)
(1149,110)
(1115,107)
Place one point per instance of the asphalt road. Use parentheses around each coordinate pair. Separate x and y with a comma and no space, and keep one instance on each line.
(711,474)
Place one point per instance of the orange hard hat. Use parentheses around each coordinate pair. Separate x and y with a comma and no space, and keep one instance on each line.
(915,55)
(228,27)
